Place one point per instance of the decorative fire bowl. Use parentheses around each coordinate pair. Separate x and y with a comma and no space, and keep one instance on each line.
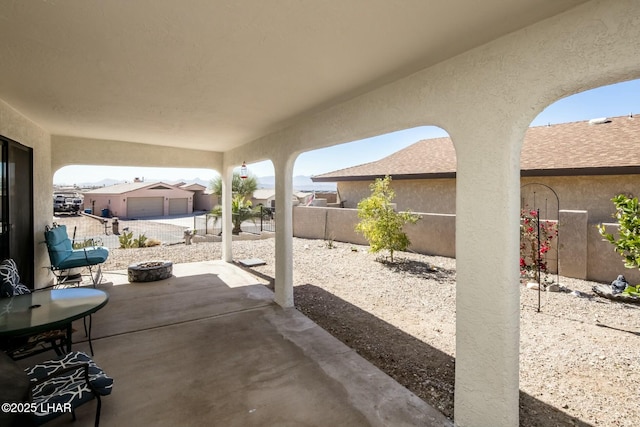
(150,271)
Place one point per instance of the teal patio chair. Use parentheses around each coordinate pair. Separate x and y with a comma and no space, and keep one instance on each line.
(63,257)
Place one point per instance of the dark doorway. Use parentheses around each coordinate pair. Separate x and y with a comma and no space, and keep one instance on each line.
(16,213)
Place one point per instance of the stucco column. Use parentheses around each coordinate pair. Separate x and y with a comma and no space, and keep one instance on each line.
(284,231)
(227,225)
(487,290)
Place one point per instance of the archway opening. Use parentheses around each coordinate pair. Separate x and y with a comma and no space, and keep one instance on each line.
(580,146)
(400,316)
(133,207)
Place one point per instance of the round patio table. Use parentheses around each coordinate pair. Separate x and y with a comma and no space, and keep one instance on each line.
(41,311)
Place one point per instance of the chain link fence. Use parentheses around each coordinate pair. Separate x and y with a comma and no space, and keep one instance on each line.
(89,229)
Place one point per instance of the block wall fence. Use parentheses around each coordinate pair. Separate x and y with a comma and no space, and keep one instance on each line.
(582,252)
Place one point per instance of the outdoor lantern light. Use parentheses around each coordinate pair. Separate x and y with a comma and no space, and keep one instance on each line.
(243,170)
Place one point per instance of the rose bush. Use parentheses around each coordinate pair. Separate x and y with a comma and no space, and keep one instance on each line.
(533,260)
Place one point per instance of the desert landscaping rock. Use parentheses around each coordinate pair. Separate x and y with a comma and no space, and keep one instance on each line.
(579,357)
(401,317)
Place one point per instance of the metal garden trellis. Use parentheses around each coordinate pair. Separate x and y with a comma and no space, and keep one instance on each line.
(532,190)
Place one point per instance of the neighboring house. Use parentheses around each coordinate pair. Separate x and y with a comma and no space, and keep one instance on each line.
(586,163)
(139,200)
(264,196)
(203,198)
(267,197)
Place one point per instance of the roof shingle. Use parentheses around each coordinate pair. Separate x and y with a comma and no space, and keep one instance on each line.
(561,149)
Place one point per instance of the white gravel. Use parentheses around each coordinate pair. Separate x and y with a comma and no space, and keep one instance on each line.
(579,362)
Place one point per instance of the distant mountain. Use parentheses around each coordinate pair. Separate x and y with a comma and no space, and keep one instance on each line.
(102,183)
(109,181)
(300,183)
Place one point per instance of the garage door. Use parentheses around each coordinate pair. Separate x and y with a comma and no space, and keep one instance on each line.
(177,206)
(139,207)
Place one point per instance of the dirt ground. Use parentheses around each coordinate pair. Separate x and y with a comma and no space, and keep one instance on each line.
(579,356)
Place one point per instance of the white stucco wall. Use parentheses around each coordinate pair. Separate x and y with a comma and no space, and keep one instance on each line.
(68,150)
(15,126)
(485,99)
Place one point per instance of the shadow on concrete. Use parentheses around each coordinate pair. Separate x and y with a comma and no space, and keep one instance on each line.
(178,299)
(271,281)
(209,347)
(403,357)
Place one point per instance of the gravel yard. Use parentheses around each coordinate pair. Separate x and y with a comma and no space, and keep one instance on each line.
(579,358)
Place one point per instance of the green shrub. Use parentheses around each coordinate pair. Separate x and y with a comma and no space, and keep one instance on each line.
(140,242)
(127,241)
(380,224)
(633,291)
(628,242)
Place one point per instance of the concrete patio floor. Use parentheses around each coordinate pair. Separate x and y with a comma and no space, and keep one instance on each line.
(209,347)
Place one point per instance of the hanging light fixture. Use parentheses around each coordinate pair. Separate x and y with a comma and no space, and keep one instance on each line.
(243,171)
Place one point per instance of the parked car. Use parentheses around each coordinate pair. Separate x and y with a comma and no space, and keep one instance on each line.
(73,204)
(66,204)
(58,203)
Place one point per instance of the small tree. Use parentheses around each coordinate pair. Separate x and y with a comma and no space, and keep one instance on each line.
(379,223)
(628,242)
(244,187)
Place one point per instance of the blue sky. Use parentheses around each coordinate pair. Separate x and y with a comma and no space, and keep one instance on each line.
(607,101)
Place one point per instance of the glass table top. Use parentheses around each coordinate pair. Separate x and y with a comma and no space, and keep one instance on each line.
(42,310)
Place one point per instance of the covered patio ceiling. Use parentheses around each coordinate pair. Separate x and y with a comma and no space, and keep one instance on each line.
(216,74)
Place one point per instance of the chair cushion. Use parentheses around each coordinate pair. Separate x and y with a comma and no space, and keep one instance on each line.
(69,387)
(99,380)
(58,244)
(11,285)
(91,255)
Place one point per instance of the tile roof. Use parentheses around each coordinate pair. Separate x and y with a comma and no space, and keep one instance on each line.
(564,149)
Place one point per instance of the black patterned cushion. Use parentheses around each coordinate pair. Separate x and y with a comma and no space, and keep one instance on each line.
(11,280)
(69,387)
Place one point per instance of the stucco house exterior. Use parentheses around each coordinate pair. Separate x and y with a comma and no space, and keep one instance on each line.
(586,163)
(140,200)
(264,196)
(267,197)
(203,198)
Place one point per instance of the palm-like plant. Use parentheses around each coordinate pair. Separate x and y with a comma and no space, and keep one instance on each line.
(244,187)
(241,208)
